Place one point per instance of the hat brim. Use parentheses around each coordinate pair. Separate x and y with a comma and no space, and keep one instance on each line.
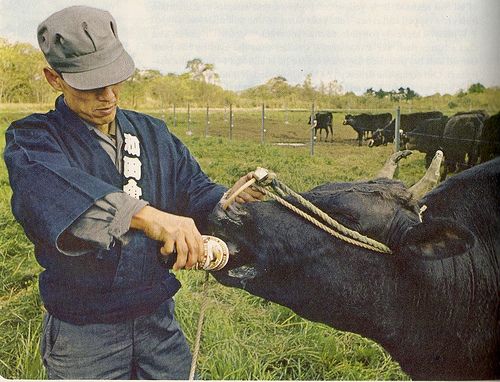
(117,71)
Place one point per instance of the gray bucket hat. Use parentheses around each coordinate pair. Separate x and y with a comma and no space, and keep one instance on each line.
(81,43)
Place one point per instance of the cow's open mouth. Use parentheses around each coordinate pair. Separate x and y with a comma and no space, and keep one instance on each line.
(245,272)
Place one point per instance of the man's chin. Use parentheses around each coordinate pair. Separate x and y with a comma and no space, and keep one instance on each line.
(103,120)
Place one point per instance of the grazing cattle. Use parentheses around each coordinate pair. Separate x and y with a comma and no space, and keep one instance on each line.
(407,123)
(433,304)
(461,138)
(366,123)
(323,121)
(427,137)
(489,147)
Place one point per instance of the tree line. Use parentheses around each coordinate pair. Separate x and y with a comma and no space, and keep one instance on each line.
(22,81)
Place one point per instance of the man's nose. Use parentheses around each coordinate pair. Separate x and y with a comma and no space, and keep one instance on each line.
(107,93)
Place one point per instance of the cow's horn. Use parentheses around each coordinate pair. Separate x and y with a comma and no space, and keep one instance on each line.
(430,178)
(391,164)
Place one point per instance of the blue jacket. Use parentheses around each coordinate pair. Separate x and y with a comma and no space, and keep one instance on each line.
(57,170)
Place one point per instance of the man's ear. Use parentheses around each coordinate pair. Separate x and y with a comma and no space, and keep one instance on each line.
(437,239)
(53,78)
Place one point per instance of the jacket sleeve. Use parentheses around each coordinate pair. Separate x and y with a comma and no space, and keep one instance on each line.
(199,195)
(107,220)
(48,193)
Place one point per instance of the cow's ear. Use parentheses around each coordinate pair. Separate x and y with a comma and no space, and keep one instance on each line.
(437,239)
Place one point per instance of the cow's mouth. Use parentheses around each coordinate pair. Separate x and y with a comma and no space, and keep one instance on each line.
(245,272)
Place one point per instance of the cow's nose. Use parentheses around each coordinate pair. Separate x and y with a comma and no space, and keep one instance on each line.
(370,143)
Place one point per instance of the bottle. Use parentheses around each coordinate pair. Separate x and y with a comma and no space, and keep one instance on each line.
(215,255)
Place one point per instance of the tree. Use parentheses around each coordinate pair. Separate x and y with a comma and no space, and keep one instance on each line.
(278,87)
(333,88)
(381,93)
(201,71)
(410,94)
(370,92)
(308,87)
(20,73)
(476,88)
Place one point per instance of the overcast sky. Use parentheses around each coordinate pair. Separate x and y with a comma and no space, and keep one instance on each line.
(428,45)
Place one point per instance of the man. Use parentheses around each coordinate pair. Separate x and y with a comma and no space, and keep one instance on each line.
(102,192)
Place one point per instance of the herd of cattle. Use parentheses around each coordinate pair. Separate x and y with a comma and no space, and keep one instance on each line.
(466,138)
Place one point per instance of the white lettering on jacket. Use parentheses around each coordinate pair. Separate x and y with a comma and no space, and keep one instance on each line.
(132,145)
(132,166)
(133,189)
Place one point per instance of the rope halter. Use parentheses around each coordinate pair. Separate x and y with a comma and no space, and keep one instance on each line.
(267,183)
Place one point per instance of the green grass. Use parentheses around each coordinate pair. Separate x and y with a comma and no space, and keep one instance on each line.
(244,337)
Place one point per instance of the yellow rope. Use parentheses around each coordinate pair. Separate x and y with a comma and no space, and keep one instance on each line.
(231,199)
(269,179)
(372,244)
(366,243)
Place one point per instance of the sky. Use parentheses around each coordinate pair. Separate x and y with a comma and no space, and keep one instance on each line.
(430,46)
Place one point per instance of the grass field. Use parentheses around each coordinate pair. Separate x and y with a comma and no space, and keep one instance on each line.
(244,337)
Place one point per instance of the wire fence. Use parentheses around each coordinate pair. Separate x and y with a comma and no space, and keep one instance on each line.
(289,127)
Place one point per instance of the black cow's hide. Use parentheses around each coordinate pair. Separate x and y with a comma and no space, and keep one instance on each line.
(433,304)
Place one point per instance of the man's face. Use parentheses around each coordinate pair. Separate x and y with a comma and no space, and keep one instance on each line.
(97,106)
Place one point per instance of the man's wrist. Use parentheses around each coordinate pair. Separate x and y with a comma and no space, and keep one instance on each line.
(142,218)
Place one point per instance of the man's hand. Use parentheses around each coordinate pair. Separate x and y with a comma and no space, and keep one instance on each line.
(180,232)
(174,231)
(250,194)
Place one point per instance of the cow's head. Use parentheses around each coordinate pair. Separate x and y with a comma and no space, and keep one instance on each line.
(378,138)
(279,256)
(348,119)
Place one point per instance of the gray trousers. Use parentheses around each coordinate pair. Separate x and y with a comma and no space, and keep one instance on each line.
(149,347)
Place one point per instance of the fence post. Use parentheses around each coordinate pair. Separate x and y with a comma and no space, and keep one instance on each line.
(286,114)
(207,122)
(230,121)
(312,129)
(396,130)
(263,129)
(189,119)
(175,117)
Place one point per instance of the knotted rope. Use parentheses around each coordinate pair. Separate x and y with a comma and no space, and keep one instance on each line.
(266,180)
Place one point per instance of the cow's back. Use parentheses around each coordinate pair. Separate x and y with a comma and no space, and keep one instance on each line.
(490,138)
(471,197)
(461,136)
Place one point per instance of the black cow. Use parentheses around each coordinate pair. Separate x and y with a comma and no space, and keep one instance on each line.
(323,121)
(367,123)
(489,147)
(407,123)
(433,304)
(461,137)
(427,137)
